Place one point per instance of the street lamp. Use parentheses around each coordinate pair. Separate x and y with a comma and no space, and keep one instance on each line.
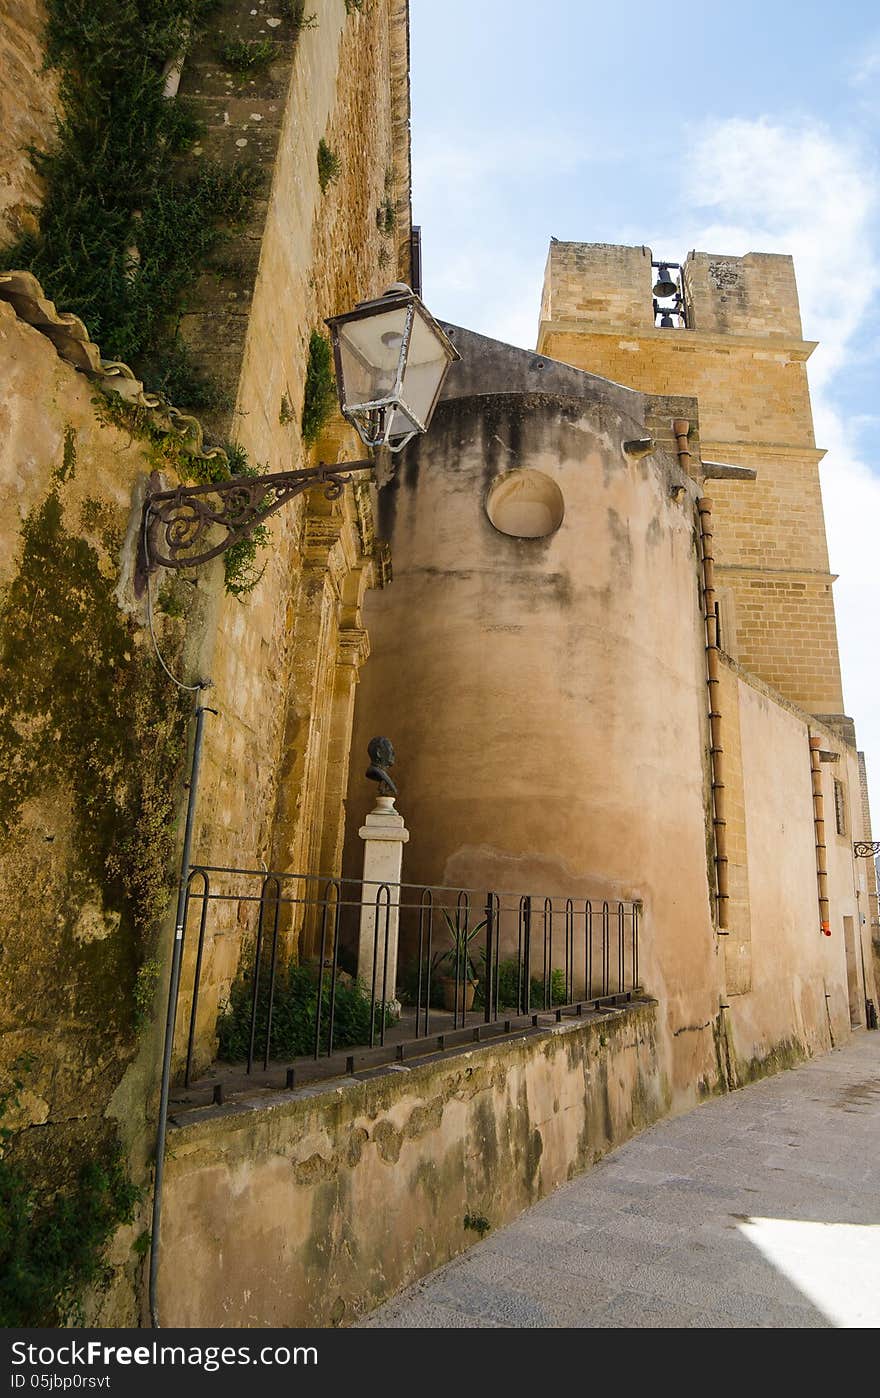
(391,360)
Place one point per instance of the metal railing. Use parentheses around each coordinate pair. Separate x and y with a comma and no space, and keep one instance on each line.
(469,963)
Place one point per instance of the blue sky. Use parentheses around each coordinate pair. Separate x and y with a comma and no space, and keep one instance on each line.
(725,128)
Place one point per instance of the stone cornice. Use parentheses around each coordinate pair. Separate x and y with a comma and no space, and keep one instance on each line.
(799,350)
(712,448)
(793,574)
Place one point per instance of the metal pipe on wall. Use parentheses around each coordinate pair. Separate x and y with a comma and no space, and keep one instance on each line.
(173,990)
(819,824)
(713,683)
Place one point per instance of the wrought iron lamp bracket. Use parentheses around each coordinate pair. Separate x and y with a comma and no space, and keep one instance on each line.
(176,522)
(866,849)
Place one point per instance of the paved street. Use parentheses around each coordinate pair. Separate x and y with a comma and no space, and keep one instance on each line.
(757,1209)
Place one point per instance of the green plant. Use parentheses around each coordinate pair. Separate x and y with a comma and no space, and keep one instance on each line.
(352,6)
(167,448)
(384,256)
(285,414)
(141,1245)
(294,10)
(386,217)
(329,166)
(386,213)
(244,56)
(146,981)
(294,1010)
(508,986)
(478,1222)
(50,1247)
(122,236)
(170,370)
(319,398)
(241,573)
(456,960)
(51,1244)
(171,599)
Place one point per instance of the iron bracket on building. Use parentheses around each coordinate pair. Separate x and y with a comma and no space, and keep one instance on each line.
(177,522)
(866,849)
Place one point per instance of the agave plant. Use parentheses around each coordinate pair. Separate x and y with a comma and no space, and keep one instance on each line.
(446,961)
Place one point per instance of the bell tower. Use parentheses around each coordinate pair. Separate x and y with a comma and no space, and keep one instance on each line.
(726,330)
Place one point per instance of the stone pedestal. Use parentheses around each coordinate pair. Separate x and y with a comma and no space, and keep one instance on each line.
(384,835)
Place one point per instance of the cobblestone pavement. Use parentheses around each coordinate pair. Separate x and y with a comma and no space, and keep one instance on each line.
(759,1209)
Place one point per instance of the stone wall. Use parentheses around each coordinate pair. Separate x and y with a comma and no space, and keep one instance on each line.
(271,1210)
(547,699)
(27,114)
(92,748)
(282,661)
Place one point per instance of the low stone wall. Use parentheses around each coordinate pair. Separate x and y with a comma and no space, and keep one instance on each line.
(310,1208)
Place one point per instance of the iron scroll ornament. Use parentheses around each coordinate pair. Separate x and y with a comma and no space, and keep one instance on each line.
(866,849)
(177,522)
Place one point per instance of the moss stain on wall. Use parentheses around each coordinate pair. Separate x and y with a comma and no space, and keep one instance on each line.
(91,741)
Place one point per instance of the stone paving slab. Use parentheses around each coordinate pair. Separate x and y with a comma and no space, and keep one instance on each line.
(759,1210)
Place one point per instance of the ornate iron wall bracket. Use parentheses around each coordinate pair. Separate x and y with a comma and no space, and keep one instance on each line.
(177,522)
(866,849)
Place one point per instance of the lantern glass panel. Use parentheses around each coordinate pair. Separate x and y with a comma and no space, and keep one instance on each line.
(369,352)
(426,365)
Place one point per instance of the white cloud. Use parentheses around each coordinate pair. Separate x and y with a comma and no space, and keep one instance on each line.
(762,186)
(867,67)
(794,189)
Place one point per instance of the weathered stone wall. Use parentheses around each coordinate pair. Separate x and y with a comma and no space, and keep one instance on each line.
(271,1211)
(92,743)
(547,698)
(283,661)
(27,114)
(796,999)
(743,357)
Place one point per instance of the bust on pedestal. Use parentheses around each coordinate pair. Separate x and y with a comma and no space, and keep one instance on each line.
(384,835)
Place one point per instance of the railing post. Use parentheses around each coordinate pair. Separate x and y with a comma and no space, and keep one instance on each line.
(490,943)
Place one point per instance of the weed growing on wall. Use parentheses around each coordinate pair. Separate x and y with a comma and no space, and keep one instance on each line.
(246,56)
(50,1248)
(329,166)
(51,1243)
(319,398)
(386,214)
(295,11)
(122,236)
(167,450)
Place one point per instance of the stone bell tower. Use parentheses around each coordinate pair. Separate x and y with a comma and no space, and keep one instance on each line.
(734,341)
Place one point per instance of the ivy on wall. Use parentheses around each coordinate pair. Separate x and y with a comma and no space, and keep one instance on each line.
(123,234)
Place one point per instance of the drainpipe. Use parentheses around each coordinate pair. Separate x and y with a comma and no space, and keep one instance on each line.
(819,823)
(681,427)
(713,684)
(173,990)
